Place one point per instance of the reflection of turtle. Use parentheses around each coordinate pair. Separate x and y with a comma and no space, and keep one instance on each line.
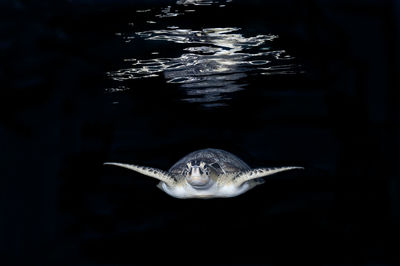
(208,173)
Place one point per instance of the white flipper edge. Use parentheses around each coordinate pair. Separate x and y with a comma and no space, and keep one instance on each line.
(260,172)
(152,172)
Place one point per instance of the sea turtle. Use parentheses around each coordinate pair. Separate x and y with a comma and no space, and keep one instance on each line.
(208,173)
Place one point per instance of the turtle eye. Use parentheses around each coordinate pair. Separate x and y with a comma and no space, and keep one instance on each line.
(206,170)
(186,172)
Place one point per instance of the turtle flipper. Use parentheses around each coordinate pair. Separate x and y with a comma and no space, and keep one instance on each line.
(152,172)
(260,172)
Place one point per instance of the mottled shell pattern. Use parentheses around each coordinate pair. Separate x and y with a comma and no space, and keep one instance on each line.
(222,162)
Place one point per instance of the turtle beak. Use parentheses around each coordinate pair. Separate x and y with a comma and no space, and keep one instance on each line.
(197,177)
(196,172)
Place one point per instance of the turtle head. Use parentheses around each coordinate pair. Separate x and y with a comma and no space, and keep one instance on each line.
(197,174)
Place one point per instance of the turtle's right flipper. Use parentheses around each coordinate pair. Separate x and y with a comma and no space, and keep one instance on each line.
(260,172)
(152,172)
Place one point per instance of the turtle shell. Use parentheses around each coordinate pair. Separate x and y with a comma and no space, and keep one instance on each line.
(222,161)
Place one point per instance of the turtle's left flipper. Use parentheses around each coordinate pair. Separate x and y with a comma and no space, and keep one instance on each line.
(260,172)
(152,172)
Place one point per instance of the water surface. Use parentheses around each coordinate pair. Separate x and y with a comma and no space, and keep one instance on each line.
(212,62)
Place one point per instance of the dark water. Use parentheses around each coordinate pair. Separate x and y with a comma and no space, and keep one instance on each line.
(309,83)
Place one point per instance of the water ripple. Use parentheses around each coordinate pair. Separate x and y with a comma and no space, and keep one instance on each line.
(199,2)
(214,62)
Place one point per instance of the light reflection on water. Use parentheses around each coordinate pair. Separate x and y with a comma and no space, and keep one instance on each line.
(200,2)
(213,63)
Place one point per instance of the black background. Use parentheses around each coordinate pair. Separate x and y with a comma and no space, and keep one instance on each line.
(340,120)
